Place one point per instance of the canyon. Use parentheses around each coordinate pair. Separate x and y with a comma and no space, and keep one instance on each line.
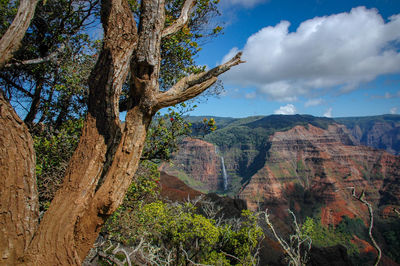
(301,163)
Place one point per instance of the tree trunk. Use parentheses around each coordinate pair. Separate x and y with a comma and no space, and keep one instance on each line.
(108,154)
(33,110)
(106,158)
(11,40)
(19,198)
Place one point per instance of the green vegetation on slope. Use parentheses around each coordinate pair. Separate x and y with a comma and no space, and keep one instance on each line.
(179,233)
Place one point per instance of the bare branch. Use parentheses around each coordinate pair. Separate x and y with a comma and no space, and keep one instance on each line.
(397,211)
(15,85)
(297,242)
(11,40)
(51,57)
(191,86)
(361,198)
(182,20)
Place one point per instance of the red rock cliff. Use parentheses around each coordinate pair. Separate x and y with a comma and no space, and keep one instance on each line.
(198,160)
(319,165)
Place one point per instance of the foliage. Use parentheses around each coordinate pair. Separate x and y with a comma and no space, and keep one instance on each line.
(323,236)
(54,89)
(53,151)
(144,189)
(390,236)
(176,234)
(353,226)
(165,133)
(204,127)
(8,9)
(179,50)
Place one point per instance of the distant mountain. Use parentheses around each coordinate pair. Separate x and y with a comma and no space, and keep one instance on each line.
(380,132)
(303,163)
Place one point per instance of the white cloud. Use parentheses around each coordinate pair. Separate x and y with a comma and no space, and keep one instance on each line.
(387,95)
(393,110)
(250,95)
(314,102)
(288,109)
(341,50)
(328,112)
(244,3)
(230,55)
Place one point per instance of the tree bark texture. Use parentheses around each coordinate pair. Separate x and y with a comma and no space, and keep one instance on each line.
(19,199)
(11,40)
(108,154)
(65,235)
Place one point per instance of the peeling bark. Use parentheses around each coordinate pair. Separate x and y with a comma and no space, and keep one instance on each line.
(64,237)
(108,154)
(19,209)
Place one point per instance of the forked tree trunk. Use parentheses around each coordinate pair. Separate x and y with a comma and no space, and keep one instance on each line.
(107,157)
(65,236)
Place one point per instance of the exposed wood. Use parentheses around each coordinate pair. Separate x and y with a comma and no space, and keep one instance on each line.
(182,20)
(362,199)
(194,85)
(11,40)
(108,154)
(51,57)
(19,210)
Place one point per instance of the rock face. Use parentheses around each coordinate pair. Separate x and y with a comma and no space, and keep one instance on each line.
(175,190)
(381,132)
(308,167)
(198,164)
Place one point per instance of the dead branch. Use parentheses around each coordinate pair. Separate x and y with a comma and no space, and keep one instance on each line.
(361,198)
(296,241)
(182,20)
(397,211)
(193,85)
(51,57)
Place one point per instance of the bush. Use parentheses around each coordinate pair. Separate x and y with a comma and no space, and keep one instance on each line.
(175,233)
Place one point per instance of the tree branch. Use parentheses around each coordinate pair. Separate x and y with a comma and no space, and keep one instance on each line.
(11,40)
(361,198)
(397,211)
(15,85)
(182,20)
(50,57)
(191,86)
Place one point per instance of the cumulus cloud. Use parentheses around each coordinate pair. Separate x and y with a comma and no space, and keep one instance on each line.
(288,109)
(244,3)
(393,110)
(328,112)
(341,50)
(314,102)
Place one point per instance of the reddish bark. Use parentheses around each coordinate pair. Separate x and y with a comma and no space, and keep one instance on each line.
(108,154)
(18,192)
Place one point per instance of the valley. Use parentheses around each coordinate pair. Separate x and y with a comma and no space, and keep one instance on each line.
(302,163)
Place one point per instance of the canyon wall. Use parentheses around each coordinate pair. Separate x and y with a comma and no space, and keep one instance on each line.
(309,167)
(306,168)
(198,164)
(380,132)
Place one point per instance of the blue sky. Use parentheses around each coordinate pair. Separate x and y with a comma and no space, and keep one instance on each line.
(320,57)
